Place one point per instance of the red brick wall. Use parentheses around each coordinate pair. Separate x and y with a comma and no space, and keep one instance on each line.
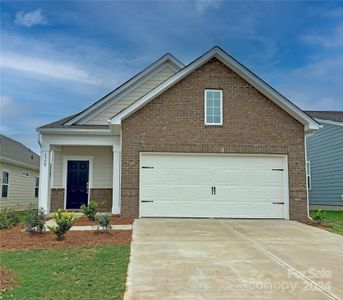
(174,122)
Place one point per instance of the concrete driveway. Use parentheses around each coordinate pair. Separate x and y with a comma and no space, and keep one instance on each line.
(233,259)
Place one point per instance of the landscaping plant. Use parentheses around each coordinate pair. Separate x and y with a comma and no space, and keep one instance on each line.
(35,220)
(64,221)
(8,218)
(89,210)
(319,215)
(103,221)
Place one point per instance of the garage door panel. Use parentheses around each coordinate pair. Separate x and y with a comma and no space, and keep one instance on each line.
(159,209)
(178,193)
(180,185)
(224,193)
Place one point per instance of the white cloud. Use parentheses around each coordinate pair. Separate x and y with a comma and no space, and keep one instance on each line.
(202,5)
(45,67)
(30,18)
(317,85)
(10,108)
(330,40)
(333,13)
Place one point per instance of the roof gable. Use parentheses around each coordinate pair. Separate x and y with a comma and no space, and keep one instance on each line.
(86,115)
(233,64)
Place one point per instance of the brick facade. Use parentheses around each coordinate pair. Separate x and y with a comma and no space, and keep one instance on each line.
(57,199)
(103,198)
(174,122)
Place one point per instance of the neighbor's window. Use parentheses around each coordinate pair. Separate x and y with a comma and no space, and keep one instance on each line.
(213,107)
(4,188)
(308,174)
(36,186)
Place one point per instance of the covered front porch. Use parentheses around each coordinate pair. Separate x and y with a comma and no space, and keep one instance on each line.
(76,169)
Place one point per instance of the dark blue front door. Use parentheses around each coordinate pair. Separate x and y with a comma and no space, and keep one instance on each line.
(77,183)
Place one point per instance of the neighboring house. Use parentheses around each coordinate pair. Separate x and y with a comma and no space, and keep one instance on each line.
(19,175)
(325,160)
(210,139)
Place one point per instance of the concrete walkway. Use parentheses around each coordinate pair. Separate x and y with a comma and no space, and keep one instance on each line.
(84,228)
(233,259)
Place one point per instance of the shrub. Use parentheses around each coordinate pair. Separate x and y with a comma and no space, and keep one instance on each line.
(35,221)
(103,221)
(319,215)
(89,210)
(64,221)
(8,218)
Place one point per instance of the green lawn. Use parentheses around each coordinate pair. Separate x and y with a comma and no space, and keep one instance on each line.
(334,218)
(77,273)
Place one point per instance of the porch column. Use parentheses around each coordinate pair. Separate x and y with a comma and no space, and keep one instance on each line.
(44,179)
(116,180)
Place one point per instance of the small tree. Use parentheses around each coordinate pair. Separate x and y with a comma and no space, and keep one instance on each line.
(89,210)
(35,221)
(103,221)
(8,218)
(319,215)
(64,221)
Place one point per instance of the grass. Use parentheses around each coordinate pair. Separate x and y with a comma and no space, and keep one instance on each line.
(77,273)
(333,218)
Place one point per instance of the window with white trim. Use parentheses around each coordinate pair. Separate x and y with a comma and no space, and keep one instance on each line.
(4,185)
(213,107)
(308,174)
(36,187)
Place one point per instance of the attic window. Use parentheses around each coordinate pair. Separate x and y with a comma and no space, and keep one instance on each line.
(213,107)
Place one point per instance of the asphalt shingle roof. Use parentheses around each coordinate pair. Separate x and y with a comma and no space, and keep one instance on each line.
(60,124)
(13,150)
(336,116)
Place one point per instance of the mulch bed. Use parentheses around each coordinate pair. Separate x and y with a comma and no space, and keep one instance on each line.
(6,280)
(318,225)
(15,239)
(115,220)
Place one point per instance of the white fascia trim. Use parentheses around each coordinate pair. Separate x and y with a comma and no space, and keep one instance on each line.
(329,122)
(74,131)
(309,123)
(166,58)
(115,97)
(17,163)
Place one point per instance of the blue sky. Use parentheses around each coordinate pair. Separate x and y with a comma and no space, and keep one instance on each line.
(58,57)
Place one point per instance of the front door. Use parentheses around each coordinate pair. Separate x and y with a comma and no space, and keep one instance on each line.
(77,183)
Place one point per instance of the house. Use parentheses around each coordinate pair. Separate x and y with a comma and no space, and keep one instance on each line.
(19,175)
(325,161)
(209,139)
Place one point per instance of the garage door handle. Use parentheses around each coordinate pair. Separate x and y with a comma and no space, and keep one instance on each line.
(278,202)
(147,201)
(213,190)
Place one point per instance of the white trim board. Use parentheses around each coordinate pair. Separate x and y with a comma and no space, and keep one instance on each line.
(168,58)
(66,158)
(229,61)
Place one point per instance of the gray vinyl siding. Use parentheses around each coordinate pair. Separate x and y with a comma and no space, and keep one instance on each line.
(325,153)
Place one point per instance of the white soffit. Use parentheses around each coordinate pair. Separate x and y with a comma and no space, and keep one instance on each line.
(229,61)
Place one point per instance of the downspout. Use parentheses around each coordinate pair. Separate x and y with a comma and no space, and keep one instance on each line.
(307,193)
(38,140)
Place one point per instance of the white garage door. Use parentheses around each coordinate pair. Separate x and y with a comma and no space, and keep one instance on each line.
(216,185)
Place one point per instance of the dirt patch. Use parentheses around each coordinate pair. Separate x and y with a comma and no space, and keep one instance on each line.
(318,225)
(115,220)
(15,239)
(7,280)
